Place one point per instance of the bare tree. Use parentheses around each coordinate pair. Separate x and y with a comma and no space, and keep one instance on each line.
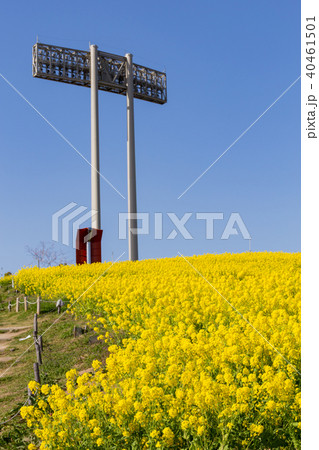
(46,255)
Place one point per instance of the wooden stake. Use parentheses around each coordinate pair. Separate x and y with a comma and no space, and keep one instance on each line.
(9,306)
(40,343)
(29,396)
(17,304)
(25,303)
(35,324)
(59,305)
(38,305)
(36,372)
(38,352)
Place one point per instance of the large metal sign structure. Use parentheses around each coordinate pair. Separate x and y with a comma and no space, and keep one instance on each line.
(112,73)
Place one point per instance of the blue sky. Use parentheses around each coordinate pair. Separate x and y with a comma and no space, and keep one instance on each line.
(226,62)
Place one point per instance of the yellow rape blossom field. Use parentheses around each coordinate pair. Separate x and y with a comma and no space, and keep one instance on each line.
(204,353)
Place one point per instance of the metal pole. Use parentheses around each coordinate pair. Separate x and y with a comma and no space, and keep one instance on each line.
(88,250)
(95,157)
(131,173)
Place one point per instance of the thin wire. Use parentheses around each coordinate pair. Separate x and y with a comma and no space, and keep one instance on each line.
(239,137)
(236,310)
(61,315)
(60,134)
(34,303)
(42,301)
(6,421)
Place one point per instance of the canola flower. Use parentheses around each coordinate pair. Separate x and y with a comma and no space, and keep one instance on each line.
(5,280)
(185,370)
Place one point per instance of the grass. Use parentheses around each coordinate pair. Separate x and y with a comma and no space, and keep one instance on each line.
(61,352)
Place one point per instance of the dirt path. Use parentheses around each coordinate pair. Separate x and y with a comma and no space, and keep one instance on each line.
(7,334)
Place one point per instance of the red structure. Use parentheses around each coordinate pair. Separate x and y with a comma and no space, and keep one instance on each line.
(81,252)
(84,236)
(96,253)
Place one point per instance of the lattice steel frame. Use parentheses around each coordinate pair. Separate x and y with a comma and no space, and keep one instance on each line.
(72,66)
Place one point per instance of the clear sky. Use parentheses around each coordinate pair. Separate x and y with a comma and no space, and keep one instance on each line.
(226,63)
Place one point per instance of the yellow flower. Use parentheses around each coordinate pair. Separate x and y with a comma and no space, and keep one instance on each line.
(71,374)
(256,429)
(157,417)
(185,425)
(181,364)
(62,434)
(96,365)
(172,412)
(45,389)
(271,405)
(168,436)
(96,431)
(33,386)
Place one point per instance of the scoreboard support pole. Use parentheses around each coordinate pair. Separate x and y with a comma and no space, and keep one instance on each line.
(131,170)
(95,156)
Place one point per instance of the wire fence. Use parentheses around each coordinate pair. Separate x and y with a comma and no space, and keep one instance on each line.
(38,343)
(16,414)
(41,301)
(23,300)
